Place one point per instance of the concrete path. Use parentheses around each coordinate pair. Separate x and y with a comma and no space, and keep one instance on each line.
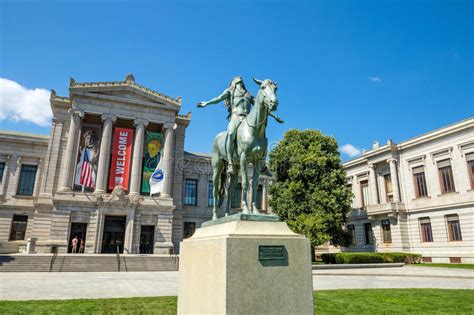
(41,286)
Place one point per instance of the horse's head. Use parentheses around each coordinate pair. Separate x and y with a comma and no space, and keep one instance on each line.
(268,90)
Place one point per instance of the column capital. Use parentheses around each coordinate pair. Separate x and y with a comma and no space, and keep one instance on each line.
(138,122)
(372,167)
(110,117)
(169,125)
(75,111)
(392,160)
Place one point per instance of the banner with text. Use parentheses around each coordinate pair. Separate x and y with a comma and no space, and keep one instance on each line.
(121,158)
(152,156)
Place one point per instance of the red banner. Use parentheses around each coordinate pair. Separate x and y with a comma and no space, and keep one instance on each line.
(121,158)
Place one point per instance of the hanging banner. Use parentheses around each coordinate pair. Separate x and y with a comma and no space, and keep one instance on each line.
(86,165)
(121,158)
(152,156)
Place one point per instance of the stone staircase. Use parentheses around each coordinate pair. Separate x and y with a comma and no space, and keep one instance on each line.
(87,263)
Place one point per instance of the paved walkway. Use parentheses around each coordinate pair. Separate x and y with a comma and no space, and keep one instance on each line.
(66,285)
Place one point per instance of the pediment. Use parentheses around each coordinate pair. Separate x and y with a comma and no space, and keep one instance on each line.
(126,91)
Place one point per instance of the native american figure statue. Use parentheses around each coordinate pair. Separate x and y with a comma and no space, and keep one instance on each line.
(243,142)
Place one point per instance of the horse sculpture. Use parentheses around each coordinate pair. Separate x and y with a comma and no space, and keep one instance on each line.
(251,147)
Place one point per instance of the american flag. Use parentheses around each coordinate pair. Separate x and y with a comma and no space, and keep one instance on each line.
(86,170)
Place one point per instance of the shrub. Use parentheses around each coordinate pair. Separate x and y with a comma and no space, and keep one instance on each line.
(369,258)
(358,258)
(329,258)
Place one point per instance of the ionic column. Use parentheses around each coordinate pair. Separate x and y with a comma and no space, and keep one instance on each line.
(140,125)
(394,178)
(374,199)
(168,158)
(65,184)
(104,153)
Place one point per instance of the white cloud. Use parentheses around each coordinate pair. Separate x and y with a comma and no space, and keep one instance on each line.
(18,103)
(375,79)
(350,150)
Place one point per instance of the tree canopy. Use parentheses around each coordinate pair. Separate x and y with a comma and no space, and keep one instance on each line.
(310,191)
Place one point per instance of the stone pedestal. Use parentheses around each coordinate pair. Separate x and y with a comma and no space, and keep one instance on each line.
(245,264)
(31,245)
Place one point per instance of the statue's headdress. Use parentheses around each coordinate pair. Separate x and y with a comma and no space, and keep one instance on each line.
(231,88)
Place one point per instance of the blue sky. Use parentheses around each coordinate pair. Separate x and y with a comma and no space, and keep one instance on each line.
(357,70)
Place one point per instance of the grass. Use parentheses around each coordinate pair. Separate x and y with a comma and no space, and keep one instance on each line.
(360,301)
(459,266)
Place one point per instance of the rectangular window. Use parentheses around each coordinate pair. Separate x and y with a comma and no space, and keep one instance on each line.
(369,236)
(237,197)
(388,187)
(351,229)
(470,167)
(420,182)
(2,169)
(425,229)
(27,180)
(446,176)
(190,192)
(259,196)
(210,199)
(364,187)
(189,229)
(454,228)
(18,230)
(386,233)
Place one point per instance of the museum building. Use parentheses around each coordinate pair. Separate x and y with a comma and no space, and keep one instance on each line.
(90,177)
(416,196)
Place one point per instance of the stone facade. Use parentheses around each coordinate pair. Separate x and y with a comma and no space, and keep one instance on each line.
(419,196)
(56,208)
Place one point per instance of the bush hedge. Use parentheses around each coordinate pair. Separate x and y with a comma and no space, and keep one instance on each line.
(367,258)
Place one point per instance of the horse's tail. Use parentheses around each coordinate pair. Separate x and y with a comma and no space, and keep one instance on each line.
(222,182)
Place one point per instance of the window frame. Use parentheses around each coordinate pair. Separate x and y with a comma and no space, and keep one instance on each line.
(388,194)
(364,184)
(2,170)
(210,193)
(470,170)
(32,181)
(368,234)
(423,233)
(386,232)
(13,222)
(187,197)
(448,227)
(416,183)
(446,177)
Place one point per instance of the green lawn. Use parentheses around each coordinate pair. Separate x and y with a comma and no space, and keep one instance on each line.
(370,301)
(460,266)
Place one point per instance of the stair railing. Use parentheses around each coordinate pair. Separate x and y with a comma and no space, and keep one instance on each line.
(117,254)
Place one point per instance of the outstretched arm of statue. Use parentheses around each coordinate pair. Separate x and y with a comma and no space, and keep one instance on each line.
(278,119)
(215,100)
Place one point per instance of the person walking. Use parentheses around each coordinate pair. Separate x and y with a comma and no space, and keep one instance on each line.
(74,244)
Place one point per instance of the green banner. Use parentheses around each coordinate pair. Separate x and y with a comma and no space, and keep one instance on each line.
(151,157)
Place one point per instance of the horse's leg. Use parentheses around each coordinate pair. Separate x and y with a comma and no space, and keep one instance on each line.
(234,178)
(245,182)
(256,174)
(216,182)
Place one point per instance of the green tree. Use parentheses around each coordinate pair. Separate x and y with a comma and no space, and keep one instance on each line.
(310,191)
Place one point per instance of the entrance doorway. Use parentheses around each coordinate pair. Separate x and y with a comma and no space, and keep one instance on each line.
(114,234)
(147,239)
(79,230)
